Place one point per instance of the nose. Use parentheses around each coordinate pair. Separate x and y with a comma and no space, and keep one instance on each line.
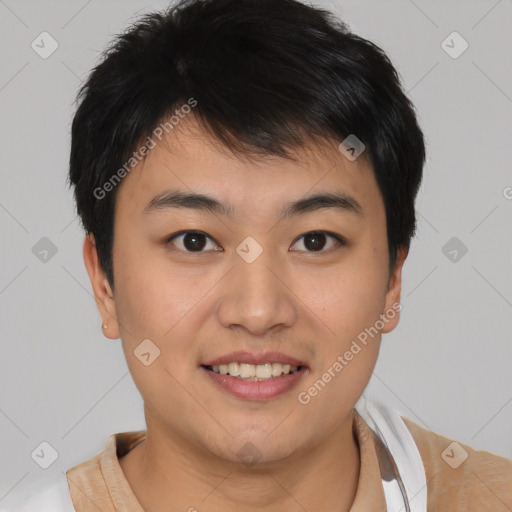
(256,296)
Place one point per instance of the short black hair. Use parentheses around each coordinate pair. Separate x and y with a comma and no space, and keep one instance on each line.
(266,76)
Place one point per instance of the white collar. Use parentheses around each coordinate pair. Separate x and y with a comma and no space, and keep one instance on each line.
(402,470)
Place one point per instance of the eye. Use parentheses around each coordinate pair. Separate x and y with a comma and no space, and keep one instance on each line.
(315,241)
(190,241)
(197,241)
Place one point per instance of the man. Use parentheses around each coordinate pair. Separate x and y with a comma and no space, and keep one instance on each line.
(246,171)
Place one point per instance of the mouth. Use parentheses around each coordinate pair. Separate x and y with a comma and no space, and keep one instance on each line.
(254,372)
(255,377)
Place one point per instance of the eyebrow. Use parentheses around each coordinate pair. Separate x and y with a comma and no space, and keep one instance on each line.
(178,199)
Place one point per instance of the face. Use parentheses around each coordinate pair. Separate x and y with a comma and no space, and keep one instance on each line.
(259,278)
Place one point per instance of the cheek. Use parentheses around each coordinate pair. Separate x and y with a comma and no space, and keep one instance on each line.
(161,308)
(346,298)
(348,304)
(152,298)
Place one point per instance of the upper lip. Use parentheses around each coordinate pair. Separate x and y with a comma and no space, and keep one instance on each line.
(245,357)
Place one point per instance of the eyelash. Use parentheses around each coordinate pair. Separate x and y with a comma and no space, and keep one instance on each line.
(340,241)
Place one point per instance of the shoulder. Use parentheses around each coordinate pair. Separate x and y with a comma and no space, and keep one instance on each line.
(460,477)
(51,494)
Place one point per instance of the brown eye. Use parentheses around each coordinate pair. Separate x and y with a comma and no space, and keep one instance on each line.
(316,241)
(190,241)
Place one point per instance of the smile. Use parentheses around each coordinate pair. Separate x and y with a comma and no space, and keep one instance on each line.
(252,376)
(254,372)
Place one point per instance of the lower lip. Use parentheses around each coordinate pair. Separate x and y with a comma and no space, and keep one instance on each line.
(253,389)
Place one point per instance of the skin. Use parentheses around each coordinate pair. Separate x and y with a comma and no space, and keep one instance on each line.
(198,306)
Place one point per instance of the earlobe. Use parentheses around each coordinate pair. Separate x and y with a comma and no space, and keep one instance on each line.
(392,305)
(103,294)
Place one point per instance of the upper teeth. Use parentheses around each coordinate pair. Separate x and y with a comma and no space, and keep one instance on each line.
(254,371)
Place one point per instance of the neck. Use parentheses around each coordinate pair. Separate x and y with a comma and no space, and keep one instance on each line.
(166,473)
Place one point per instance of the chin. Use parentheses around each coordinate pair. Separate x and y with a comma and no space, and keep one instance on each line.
(252,446)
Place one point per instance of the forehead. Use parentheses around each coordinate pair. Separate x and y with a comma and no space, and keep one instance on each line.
(191,160)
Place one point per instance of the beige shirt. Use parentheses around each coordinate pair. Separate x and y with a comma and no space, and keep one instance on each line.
(483,482)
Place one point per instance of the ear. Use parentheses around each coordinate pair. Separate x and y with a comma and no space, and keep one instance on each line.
(392,303)
(102,291)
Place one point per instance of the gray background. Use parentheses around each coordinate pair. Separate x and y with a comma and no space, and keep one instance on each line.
(448,364)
